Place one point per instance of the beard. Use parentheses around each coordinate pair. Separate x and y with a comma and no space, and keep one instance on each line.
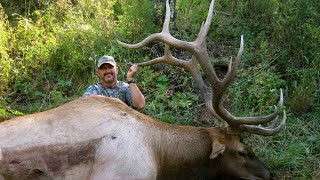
(108,77)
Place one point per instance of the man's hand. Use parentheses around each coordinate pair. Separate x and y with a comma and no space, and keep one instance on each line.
(132,72)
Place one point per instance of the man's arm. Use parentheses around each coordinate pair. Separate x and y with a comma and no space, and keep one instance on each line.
(138,99)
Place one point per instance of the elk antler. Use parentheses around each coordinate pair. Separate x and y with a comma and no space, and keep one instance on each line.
(213,98)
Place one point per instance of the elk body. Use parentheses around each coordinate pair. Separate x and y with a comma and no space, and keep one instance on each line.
(102,138)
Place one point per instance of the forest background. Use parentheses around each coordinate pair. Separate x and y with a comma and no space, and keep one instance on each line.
(49,49)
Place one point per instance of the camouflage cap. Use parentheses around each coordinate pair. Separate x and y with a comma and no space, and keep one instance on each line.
(106,59)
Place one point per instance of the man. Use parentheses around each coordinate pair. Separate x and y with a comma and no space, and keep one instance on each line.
(111,87)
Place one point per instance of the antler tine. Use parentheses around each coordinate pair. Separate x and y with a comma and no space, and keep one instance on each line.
(205,27)
(146,41)
(265,131)
(233,67)
(237,121)
(165,27)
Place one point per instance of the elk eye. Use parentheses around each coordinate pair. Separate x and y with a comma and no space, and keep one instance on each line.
(242,154)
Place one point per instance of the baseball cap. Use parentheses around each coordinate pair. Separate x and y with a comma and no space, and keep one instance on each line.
(106,59)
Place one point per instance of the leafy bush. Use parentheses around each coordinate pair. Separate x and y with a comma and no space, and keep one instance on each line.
(5,61)
(170,98)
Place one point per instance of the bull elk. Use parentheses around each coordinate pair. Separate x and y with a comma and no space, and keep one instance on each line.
(102,138)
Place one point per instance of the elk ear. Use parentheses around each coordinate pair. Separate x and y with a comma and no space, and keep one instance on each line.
(217,148)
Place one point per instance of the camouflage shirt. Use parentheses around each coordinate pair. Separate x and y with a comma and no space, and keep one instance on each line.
(121,90)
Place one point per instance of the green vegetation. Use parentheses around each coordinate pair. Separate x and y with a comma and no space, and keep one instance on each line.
(48,51)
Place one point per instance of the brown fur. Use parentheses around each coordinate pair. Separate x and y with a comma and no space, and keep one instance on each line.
(102,138)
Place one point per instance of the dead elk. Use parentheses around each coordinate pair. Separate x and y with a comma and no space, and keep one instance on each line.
(102,138)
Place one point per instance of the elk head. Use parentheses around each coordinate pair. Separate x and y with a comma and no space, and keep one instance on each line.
(213,98)
(234,159)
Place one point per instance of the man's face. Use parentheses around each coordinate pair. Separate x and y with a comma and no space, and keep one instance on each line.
(108,74)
